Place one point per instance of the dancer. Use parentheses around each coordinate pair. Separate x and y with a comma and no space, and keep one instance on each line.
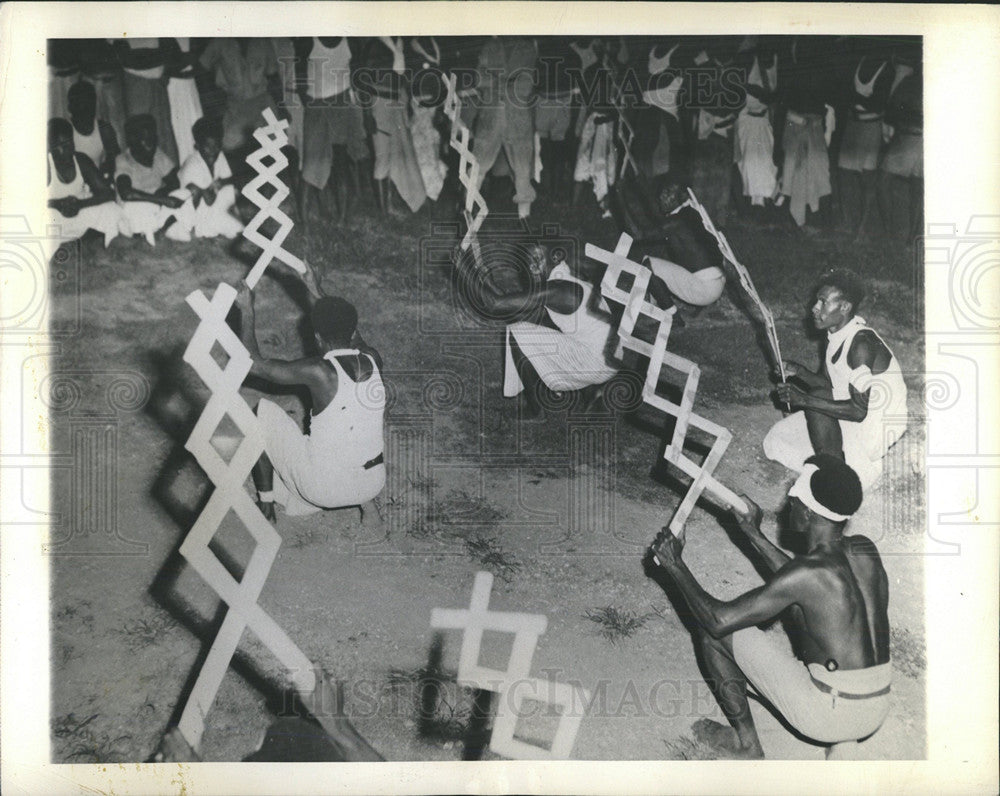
(838,416)
(836,595)
(553,339)
(340,461)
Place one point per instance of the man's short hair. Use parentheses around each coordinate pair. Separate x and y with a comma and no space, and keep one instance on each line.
(835,485)
(134,125)
(847,282)
(334,318)
(59,127)
(207,127)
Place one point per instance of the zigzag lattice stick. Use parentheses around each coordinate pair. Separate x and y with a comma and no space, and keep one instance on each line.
(745,281)
(635,305)
(475,211)
(633,301)
(228,478)
(625,132)
(271,138)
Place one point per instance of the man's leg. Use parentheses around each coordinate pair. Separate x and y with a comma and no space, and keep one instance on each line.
(529,377)
(824,431)
(263,480)
(729,685)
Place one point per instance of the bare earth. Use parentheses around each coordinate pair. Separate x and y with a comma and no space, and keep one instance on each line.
(560,510)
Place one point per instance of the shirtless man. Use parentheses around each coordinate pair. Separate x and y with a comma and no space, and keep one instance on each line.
(553,338)
(837,414)
(340,462)
(835,595)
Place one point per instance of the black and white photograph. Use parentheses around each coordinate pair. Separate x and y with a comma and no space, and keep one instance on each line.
(582,392)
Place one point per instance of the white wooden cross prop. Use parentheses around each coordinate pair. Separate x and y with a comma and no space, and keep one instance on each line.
(513,685)
(228,478)
(636,305)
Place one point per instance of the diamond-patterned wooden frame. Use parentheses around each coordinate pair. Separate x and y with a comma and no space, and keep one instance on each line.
(636,305)
(241,595)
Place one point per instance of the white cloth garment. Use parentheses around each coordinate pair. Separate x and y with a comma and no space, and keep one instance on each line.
(865,443)
(596,158)
(569,357)
(325,469)
(105,218)
(208,220)
(185,108)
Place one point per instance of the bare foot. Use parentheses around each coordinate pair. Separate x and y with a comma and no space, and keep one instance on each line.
(724,740)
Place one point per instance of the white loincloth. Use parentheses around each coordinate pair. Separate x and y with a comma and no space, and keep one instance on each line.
(699,288)
(570,357)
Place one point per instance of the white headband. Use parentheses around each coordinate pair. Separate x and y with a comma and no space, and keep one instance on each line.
(802,489)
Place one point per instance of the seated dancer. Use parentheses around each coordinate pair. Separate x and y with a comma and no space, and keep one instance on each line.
(555,339)
(837,417)
(208,178)
(836,595)
(79,197)
(340,461)
(694,272)
(93,137)
(147,183)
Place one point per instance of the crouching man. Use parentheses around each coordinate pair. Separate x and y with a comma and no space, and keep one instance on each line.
(836,595)
(340,461)
(554,339)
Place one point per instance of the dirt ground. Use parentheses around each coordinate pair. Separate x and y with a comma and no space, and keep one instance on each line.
(559,510)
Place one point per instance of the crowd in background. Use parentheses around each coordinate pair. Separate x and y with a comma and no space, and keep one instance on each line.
(152,134)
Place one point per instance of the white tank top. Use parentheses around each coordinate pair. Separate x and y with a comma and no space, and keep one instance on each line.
(60,190)
(90,145)
(842,376)
(585,325)
(354,418)
(329,69)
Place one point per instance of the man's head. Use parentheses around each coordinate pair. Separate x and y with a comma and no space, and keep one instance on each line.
(539,262)
(207,133)
(673,193)
(140,136)
(82,102)
(61,142)
(839,293)
(334,320)
(827,488)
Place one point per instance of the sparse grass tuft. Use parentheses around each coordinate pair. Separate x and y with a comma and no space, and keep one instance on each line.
(144,632)
(685,748)
(442,707)
(489,554)
(86,744)
(616,624)
(458,508)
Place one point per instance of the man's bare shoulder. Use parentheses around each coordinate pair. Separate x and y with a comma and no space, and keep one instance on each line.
(860,545)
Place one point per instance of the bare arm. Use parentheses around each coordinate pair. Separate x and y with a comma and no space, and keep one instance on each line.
(718,617)
(749,523)
(100,189)
(866,353)
(278,371)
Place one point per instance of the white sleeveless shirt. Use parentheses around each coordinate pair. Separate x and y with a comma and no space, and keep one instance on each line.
(329,69)
(843,376)
(60,190)
(354,418)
